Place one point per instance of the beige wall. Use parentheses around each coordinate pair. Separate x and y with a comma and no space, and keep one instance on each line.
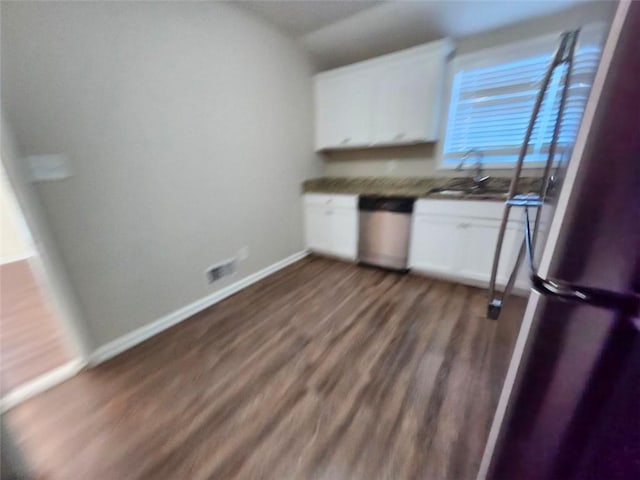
(14,236)
(422,160)
(415,160)
(189,130)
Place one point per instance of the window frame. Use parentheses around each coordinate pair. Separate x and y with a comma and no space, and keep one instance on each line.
(594,32)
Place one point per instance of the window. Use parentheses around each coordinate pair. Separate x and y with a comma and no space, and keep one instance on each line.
(494,91)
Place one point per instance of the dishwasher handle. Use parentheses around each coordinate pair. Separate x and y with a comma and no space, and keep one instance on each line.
(390,204)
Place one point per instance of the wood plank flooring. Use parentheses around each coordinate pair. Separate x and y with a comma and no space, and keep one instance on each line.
(324,370)
(30,338)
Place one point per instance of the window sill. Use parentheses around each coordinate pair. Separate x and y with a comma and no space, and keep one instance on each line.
(495,166)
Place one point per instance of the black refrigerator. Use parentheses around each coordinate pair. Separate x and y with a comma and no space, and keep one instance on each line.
(570,406)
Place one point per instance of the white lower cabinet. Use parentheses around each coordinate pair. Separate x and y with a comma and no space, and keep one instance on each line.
(453,239)
(343,230)
(457,240)
(479,238)
(477,244)
(331,224)
(434,243)
(317,228)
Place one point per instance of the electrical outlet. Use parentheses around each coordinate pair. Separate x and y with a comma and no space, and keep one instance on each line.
(243,253)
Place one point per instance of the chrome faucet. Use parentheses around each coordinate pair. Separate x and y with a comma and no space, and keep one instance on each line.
(479,178)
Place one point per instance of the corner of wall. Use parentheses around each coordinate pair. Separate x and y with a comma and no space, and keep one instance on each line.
(54,270)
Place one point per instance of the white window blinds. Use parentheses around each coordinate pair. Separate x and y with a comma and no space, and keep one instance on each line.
(493,95)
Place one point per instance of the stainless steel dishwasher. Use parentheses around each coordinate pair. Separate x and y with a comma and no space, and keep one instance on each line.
(385,229)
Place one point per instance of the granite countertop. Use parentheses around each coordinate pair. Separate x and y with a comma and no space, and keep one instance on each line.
(419,187)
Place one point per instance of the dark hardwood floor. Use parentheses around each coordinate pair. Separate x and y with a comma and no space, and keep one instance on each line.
(324,370)
(31,340)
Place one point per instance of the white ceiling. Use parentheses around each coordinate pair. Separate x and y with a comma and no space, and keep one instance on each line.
(339,32)
(300,17)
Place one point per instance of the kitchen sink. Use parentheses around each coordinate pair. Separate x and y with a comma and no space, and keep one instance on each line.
(461,192)
(453,193)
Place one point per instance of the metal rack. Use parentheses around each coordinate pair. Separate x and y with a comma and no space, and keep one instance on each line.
(564,55)
(627,304)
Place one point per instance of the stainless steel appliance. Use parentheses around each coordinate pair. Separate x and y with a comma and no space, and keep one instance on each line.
(570,404)
(385,229)
(563,58)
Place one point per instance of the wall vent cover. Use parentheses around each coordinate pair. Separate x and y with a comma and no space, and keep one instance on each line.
(223,269)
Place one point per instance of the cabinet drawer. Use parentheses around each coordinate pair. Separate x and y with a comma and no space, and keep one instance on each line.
(330,200)
(476,209)
(460,208)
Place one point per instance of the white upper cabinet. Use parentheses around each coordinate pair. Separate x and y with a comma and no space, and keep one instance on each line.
(335,95)
(390,100)
(407,99)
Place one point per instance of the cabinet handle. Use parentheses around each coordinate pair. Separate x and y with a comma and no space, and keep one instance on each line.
(345,140)
(399,136)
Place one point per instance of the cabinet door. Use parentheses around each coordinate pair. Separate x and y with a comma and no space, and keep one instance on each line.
(478,243)
(344,232)
(406,100)
(343,108)
(479,239)
(434,244)
(317,228)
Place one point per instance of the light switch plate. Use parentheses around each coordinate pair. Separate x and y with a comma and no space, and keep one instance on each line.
(49,167)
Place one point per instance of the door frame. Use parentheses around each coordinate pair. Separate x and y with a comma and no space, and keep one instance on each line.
(47,266)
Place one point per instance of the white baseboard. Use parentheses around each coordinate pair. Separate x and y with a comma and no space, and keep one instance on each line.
(40,384)
(139,335)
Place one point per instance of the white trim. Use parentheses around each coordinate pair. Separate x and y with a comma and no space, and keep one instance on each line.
(131,339)
(491,166)
(40,384)
(17,258)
